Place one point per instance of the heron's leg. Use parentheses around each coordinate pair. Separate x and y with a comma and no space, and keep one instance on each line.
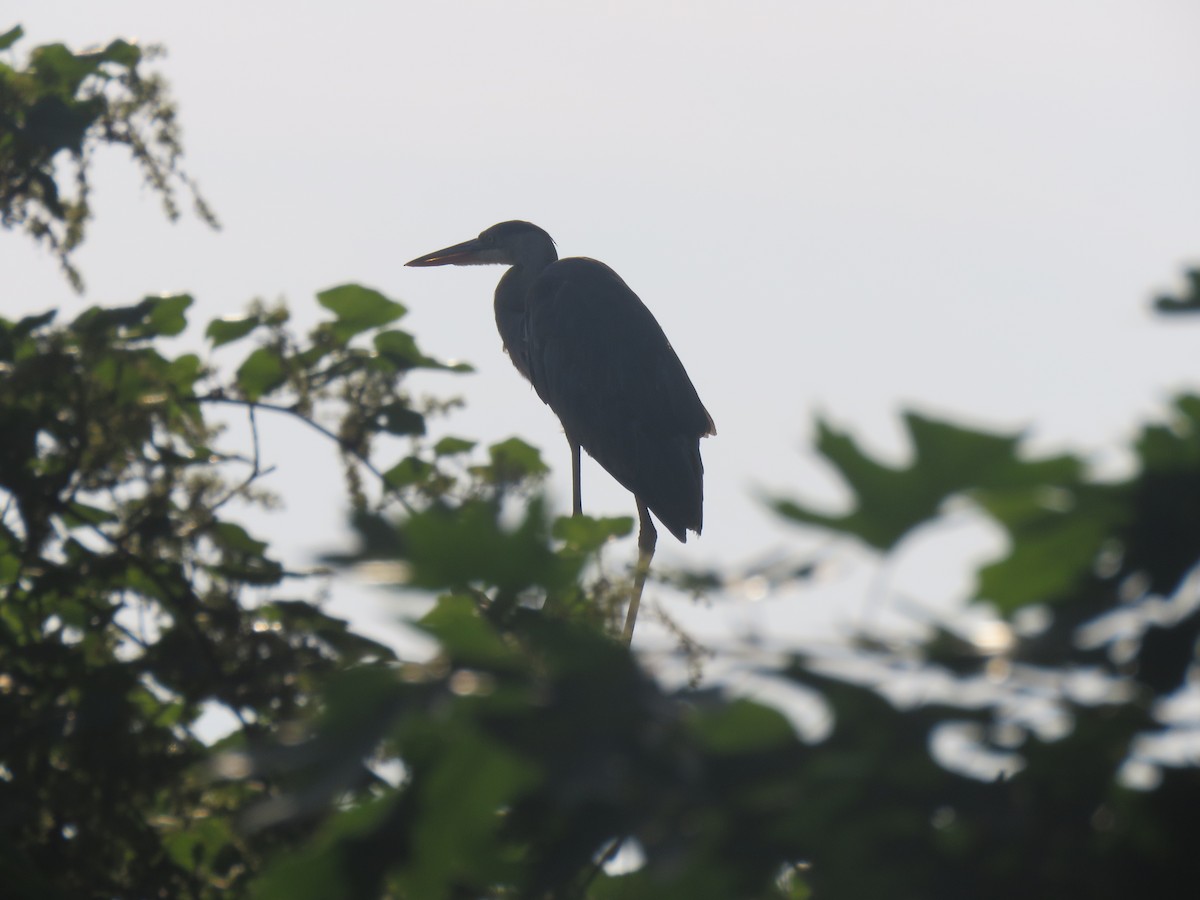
(576,490)
(647,538)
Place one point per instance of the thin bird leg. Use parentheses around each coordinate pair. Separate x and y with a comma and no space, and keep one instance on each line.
(576,490)
(647,538)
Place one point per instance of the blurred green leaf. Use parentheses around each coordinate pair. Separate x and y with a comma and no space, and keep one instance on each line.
(1188,302)
(11,36)
(410,470)
(81,514)
(400,349)
(168,314)
(1056,538)
(358,309)
(452,446)
(587,534)
(741,726)
(514,460)
(224,331)
(890,501)
(400,418)
(466,636)
(262,372)
(454,548)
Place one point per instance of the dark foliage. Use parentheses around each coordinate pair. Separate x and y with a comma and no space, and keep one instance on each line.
(531,754)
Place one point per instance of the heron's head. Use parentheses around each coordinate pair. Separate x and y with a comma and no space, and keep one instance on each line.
(509,243)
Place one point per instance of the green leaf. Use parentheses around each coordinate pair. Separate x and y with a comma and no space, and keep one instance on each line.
(224,331)
(57,68)
(167,313)
(742,726)
(80,514)
(456,547)
(890,501)
(465,791)
(587,535)
(261,373)
(400,349)
(230,536)
(1188,303)
(410,470)
(514,460)
(398,418)
(317,872)
(452,446)
(123,53)
(358,309)
(465,636)
(11,36)
(29,324)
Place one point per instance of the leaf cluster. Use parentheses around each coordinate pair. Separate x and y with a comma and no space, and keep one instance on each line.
(62,105)
(130,603)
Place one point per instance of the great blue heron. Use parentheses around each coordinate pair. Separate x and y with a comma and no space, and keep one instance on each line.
(597,357)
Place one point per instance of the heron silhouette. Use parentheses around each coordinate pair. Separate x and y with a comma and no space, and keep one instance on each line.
(597,357)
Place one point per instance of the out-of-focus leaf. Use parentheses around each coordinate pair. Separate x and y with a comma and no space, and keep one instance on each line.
(122,52)
(400,349)
(11,36)
(890,501)
(1187,302)
(81,514)
(224,331)
(410,470)
(741,726)
(515,460)
(400,418)
(168,314)
(459,839)
(586,534)
(453,548)
(465,636)
(452,446)
(29,324)
(358,309)
(261,373)
(1056,537)
(233,537)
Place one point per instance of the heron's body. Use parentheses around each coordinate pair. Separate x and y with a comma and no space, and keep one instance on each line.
(597,357)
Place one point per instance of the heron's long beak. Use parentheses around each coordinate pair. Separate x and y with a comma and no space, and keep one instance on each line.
(469,253)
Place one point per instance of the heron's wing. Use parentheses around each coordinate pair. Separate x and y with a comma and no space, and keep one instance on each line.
(601,361)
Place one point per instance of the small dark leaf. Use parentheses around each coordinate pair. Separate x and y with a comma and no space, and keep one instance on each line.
(30,324)
(399,418)
(233,537)
(1188,303)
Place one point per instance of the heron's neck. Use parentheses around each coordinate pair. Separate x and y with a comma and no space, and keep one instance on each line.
(511,295)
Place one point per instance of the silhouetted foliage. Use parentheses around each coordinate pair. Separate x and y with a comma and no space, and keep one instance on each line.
(531,754)
(64,104)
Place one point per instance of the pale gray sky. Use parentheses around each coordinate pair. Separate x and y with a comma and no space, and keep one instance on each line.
(849,207)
